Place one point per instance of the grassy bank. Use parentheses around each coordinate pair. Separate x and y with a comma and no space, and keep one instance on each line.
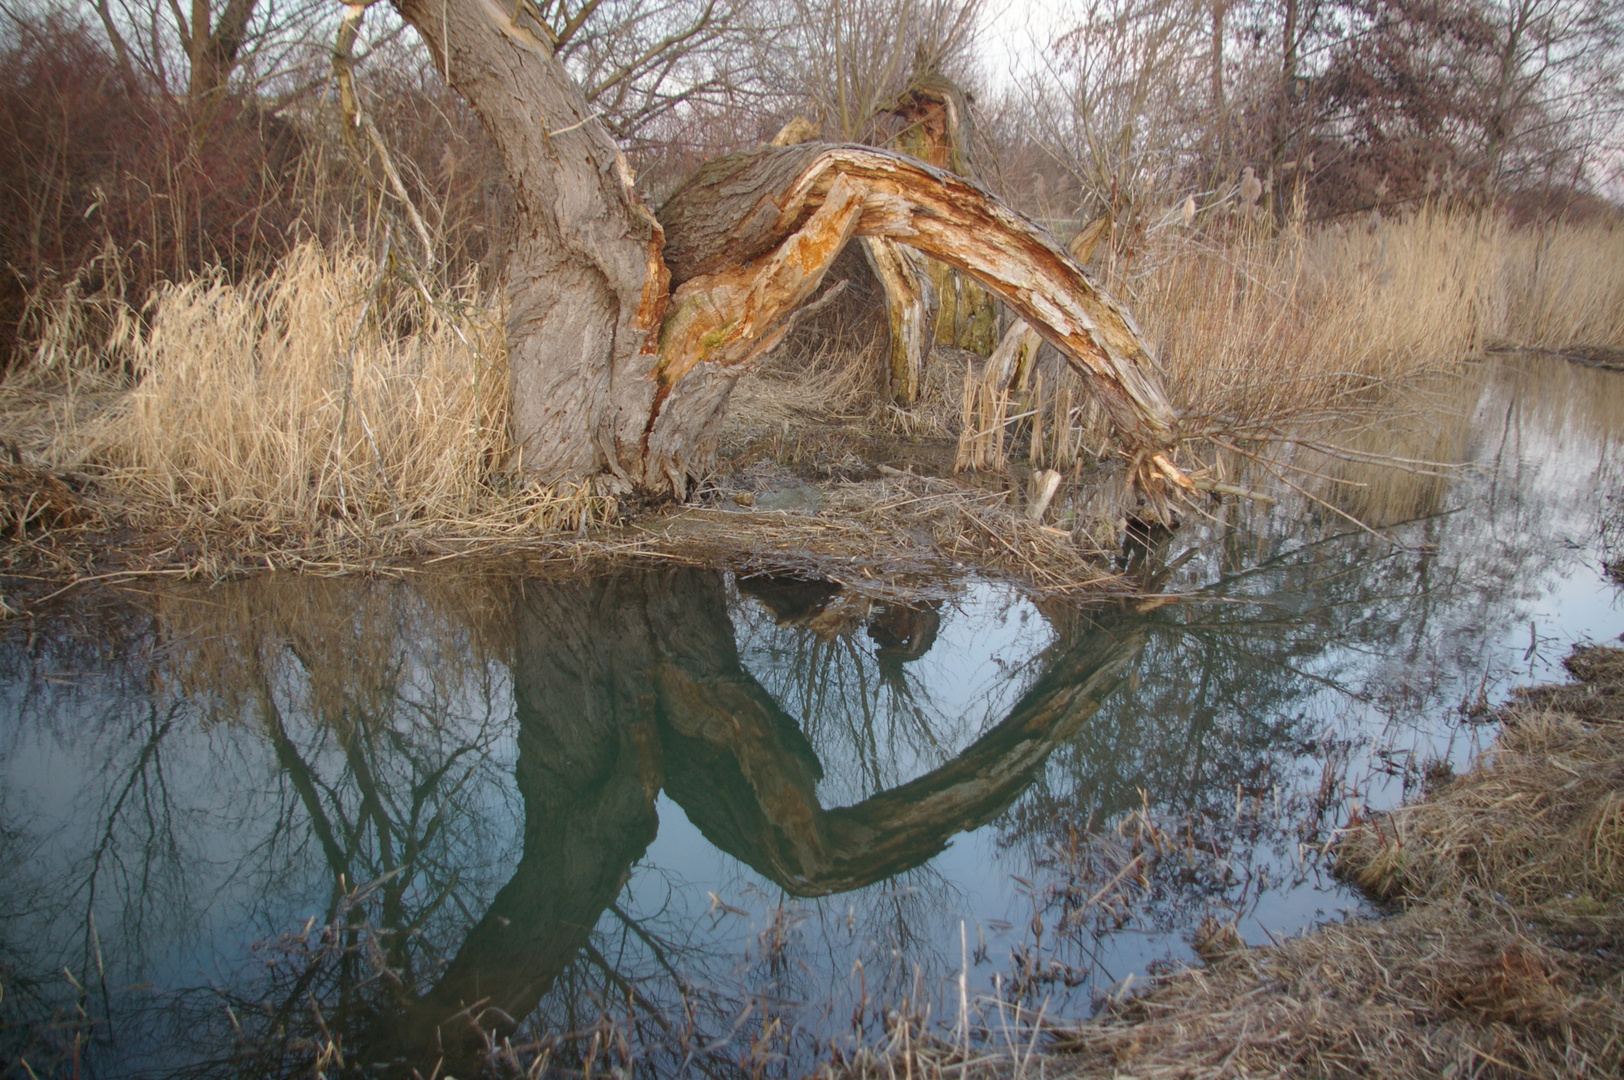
(1501,957)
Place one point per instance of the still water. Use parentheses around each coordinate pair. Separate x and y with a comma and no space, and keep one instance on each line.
(682,820)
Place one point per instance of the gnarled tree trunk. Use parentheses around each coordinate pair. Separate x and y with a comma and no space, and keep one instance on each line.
(750,236)
(614,374)
(585,285)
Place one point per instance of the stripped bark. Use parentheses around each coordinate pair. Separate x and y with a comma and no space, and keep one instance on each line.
(614,374)
(750,214)
(940,130)
(909,300)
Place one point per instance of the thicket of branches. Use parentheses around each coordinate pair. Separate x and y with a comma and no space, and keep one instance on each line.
(143,141)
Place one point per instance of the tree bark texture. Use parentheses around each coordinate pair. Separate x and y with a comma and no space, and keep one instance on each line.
(909,300)
(613,373)
(585,285)
(781,214)
(940,131)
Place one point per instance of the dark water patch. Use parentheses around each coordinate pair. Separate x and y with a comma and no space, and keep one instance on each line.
(679,820)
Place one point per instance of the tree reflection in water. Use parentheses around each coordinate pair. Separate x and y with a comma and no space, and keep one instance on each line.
(456,782)
(390,759)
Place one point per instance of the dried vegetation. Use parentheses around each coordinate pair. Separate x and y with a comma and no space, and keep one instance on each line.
(1504,959)
(346,408)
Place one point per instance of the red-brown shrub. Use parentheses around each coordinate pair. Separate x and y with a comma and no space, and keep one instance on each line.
(90,166)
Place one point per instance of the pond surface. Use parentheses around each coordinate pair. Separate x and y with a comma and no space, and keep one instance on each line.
(680,821)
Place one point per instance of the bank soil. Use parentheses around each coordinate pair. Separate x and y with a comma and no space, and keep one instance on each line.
(1503,956)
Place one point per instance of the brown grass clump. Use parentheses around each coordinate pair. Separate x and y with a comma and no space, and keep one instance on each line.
(1442,991)
(1506,961)
(331,401)
(1539,824)
(31,501)
(313,392)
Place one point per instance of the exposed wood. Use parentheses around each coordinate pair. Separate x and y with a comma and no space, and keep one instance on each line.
(614,373)
(733,216)
(939,129)
(1040,492)
(909,296)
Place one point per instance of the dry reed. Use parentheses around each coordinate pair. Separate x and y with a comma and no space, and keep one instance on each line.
(335,397)
(297,397)
(1259,331)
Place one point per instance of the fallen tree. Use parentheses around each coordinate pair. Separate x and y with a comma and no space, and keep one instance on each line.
(627,330)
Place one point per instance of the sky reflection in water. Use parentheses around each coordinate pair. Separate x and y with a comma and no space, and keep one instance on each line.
(712,797)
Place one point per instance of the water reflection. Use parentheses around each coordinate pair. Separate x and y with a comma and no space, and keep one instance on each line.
(337,734)
(257,821)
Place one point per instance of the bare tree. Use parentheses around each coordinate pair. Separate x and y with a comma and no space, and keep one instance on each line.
(844,63)
(1501,95)
(197,50)
(1119,100)
(627,331)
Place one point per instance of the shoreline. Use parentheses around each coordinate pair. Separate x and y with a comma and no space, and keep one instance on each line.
(1502,953)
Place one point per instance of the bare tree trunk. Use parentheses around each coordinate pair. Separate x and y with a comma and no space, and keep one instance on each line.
(745,242)
(940,131)
(585,285)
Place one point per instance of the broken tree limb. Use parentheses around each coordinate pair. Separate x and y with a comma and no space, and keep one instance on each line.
(735,231)
(741,207)
(909,300)
(938,128)
(1016,352)
(624,342)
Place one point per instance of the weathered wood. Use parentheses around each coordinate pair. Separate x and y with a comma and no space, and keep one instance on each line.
(605,379)
(909,298)
(939,129)
(739,209)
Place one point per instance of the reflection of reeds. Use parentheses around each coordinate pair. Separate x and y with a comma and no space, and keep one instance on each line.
(1399,463)
(1567,398)
(337,645)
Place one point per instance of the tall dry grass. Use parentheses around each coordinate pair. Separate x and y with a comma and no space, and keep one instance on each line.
(1259,330)
(337,396)
(332,396)
(1271,337)
(324,388)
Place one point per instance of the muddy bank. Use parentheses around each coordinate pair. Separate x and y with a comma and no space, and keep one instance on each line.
(885,530)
